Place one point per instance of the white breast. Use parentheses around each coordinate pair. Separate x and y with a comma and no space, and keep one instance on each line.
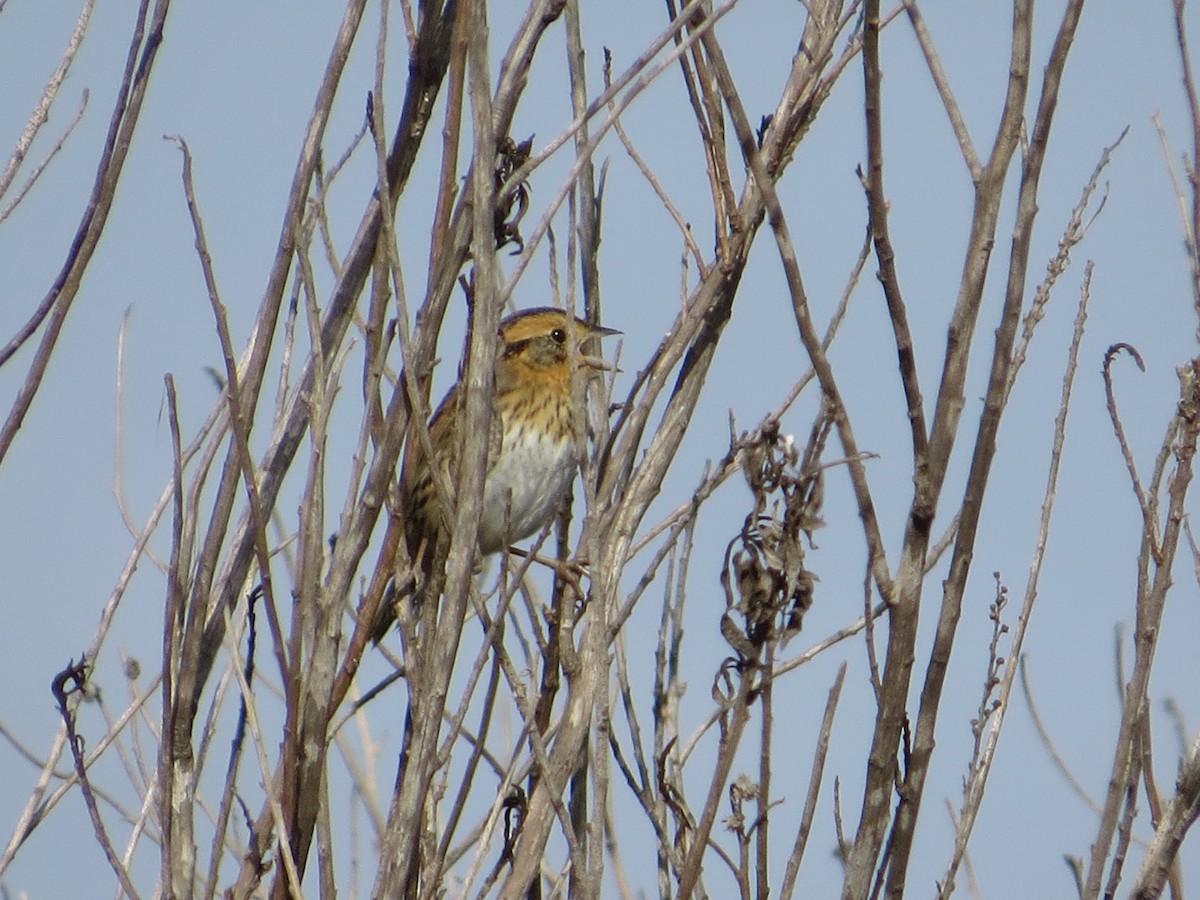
(530,477)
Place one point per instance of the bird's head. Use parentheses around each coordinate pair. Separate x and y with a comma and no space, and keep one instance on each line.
(547,344)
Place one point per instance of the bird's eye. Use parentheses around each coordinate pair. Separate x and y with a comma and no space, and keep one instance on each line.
(558,335)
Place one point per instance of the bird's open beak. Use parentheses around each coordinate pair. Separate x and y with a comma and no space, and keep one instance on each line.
(596,362)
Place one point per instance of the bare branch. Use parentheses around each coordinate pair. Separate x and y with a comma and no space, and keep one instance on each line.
(988,195)
(41,112)
(942,83)
(877,208)
(139,63)
(814,787)
(1155,564)
(1181,813)
(67,686)
(1149,524)
(50,154)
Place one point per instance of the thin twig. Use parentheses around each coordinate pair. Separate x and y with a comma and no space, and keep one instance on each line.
(942,83)
(877,208)
(651,179)
(56,305)
(1155,566)
(1149,524)
(50,154)
(814,787)
(71,682)
(980,770)
(41,112)
(989,193)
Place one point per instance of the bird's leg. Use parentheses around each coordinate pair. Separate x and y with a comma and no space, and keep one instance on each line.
(570,570)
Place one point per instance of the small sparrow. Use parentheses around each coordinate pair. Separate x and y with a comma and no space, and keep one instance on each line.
(536,444)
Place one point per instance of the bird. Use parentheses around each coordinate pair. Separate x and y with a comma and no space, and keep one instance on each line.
(537,442)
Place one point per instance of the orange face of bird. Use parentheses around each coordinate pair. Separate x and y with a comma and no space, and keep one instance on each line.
(546,344)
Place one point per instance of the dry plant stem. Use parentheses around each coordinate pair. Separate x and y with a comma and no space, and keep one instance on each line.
(287,861)
(762,797)
(655,185)
(588,230)
(451,135)
(624,891)
(328,884)
(438,647)
(41,112)
(668,690)
(232,575)
(877,207)
(814,73)
(1154,580)
(877,559)
(814,787)
(1185,217)
(427,68)
(138,830)
(837,637)
(41,167)
(942,83)
(640,783)
(585,879)
(976,783)
(72,681)
(1074,232)
(1128,811)
(377,336)
(929,476)
(1175,715)
(1145,503)
(239,421)
(995,398)
(139,64)
(606,99)
(695,335)
(1153,798)
(1193,99)
(710,123)
(119,451)
(737,708)
(363,771)
(176,770)
(1181,813)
